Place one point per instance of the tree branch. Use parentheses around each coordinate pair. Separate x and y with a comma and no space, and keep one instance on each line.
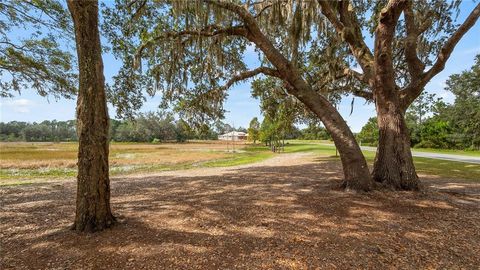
(447,49)
(348,28)
(363,94)
(251,73)
(137,10)
(411,92)
(415,66)
(209,31)
(259,13)
(357,75)
(237,9)
(291,76)
(255,35)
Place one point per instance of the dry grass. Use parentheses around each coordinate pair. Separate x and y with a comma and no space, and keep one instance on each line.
(64,155)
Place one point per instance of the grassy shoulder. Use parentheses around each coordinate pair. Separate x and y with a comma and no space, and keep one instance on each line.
(441,168)
(448,151)
(470,153)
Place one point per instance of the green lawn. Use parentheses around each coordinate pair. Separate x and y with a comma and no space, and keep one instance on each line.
(448,151)
(442,168)
(239,159)
(470,153)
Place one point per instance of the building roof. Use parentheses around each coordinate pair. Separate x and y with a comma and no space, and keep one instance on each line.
(235,133)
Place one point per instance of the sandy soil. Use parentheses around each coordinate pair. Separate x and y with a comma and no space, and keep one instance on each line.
(284,213)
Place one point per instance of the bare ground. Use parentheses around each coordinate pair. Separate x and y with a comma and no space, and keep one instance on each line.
(284,213)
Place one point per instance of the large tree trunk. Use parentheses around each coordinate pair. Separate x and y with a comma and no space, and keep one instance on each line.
(393,164)
(355,169)
(93,211)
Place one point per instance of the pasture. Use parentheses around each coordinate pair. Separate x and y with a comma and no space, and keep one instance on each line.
(21,162)
(33,162)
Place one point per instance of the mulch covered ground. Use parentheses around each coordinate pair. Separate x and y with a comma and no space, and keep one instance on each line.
(263,217)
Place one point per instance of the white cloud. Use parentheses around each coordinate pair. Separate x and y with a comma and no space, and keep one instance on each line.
(21,105)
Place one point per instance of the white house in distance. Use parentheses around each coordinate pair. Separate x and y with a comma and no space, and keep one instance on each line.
(233,136)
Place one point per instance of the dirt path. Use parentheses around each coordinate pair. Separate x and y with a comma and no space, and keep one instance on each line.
(283,213)
(276,161)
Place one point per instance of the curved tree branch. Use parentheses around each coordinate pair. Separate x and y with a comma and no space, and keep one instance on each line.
(251,73)
(412,91)
(348,28)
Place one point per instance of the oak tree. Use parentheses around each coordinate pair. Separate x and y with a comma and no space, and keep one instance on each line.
(412,41)
(93,211)
(192,52)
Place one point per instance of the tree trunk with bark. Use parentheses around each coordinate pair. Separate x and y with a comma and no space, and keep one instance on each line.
(393,163)
(355,168)
(93,211)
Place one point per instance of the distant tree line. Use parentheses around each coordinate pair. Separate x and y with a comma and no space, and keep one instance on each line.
(147,127)
(273,132)
(38,132)
(153,127)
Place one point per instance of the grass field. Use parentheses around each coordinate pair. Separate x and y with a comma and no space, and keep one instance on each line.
(56,160)
(26,161)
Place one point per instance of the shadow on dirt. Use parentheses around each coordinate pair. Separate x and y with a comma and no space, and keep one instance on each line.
(253,218)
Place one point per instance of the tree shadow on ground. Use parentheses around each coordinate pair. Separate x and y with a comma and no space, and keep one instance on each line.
(283,217)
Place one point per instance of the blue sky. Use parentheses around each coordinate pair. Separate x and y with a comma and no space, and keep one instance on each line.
(240,106)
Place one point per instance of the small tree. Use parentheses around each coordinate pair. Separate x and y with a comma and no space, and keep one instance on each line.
(254,130)
(267,131)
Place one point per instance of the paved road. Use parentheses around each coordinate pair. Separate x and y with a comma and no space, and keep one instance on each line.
(459,158)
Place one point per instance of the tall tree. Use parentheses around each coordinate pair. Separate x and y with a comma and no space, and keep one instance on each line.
(201,43)
(280,109)
(408,37)
(464,114)
(420,108)
(369,133)
(93,211)
(35,60)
